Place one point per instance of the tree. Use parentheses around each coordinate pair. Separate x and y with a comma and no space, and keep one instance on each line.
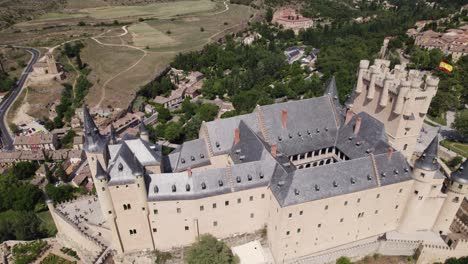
(61,173)
(269,15)
(343,260)
(24,170)
(173,131)
(461,123)
(209,250)
(60,193)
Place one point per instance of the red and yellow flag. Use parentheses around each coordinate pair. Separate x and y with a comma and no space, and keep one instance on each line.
(445,66)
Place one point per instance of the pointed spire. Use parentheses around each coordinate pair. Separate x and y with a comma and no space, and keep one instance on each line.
(461,175)
(113,134)
(428,160)
(94,141)
(100,173)
(331,89)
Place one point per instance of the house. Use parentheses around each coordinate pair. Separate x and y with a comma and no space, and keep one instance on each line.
(42,140)
(78,142)
(290,19)
(249,39)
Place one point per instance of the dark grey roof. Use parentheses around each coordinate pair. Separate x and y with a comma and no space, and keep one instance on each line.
(249,148)
(100,172)
(94,141)
(461,175)
(370,138)
(324,181)
(191,154)
(392,170)
(124,167)
(311,124)
(428,160)
(221,131)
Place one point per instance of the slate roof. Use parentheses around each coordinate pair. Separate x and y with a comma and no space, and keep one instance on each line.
(94,141)
(428,159)
(461,175)
(191,154)
(311,124)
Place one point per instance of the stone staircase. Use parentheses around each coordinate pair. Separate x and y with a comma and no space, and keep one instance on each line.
(374,165)
(261,122)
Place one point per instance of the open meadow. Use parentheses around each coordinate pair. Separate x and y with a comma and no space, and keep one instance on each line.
(159,10)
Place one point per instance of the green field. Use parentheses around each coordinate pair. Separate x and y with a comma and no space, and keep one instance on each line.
(460,148)
(159,10)
(187,34)
(144,35)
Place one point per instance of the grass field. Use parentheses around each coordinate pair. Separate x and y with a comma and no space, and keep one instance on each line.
(160,10)
(460,148)
(47,222)
(144,35)
(186,33)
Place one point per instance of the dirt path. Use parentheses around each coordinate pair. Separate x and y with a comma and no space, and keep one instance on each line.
(77,74)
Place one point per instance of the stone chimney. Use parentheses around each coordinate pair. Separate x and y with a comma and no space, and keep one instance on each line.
(236,136)
(389,153)
(284,118)
(357,126)
(349,116)
(274,149)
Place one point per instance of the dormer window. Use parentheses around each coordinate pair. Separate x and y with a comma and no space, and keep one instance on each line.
(217,144)
(396,171)
(280,138)
(238,179)
(249,177)
(296,191)
(156,189)
(353,180)
(308,132)
(326,128)
(299,134)
(192,158)
(335,184)
(290,136)
(317,188)
(318,131)
(383,174)
(261,175)
(174,188)
(202,156)
(220,183)
(182,160)
(120,167)
(203,185)
(369,178)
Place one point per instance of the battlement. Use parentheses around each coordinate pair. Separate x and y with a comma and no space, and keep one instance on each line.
(380,72)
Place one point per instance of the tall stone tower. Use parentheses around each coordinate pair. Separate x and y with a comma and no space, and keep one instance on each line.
(457,189)
(396,97)
(425,168)
(97,154)
(51,63)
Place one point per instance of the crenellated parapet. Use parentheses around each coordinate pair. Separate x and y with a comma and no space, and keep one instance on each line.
(412,89)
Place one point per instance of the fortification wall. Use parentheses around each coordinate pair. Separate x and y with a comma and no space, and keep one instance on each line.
(433,253)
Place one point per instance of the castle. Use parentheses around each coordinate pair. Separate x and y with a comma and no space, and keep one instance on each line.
(317,175)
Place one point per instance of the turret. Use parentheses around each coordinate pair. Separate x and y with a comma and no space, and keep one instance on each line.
(374,71)
(113,135)
(402,92)
(94,141)
(431,88)
(424,171)
(143,131)
(457,189)
(387,83)
(363,66)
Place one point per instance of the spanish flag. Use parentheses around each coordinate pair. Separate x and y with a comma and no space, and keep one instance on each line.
(445,66)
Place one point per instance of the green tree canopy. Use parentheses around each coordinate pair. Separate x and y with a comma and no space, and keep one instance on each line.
(461,123)
(209,250)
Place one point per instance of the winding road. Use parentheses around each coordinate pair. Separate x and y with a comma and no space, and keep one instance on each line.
(7,139)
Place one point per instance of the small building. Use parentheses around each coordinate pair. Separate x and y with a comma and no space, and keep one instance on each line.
(78,142)
(47,141)
(75,156)
(290,19)
(251,38)
(8,158)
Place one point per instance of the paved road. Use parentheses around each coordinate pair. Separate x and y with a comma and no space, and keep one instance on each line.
(6,138)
